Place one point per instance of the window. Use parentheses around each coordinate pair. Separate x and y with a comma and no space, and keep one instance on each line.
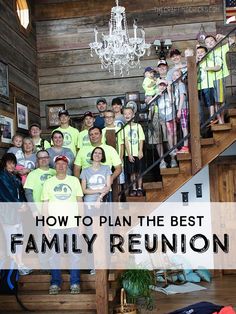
(23,12)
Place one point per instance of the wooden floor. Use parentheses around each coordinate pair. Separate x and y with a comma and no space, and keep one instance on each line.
(222,290)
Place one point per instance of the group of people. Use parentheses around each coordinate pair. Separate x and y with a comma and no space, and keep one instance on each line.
(35,170)
(166,92)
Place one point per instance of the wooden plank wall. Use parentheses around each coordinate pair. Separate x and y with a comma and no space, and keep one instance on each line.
(68,74)
(18,50)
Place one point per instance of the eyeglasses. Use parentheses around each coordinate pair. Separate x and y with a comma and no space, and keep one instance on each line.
(44,157)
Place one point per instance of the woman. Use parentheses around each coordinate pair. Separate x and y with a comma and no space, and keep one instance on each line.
(29,162)
(96,180)
(11,191)
(57,150)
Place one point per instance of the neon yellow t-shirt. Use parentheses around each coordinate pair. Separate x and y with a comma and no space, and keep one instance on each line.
(84,139)
(149,86)
(133,134)
(218,57)
(62,197)
(83,157)
(205,78)
(35,181)
(38,145)
(71,138)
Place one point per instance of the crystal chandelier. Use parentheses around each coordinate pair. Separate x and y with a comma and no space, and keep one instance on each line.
(118,51)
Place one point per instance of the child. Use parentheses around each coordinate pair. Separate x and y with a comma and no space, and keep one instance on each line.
(35,133)
(149,84)
(205,83)
(167,114)
(133,136)
(16,149)
(218,70)
(181,106)
(175,56)
(88,122)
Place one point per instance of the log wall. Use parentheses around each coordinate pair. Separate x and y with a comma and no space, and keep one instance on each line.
(18,51)
(68,74)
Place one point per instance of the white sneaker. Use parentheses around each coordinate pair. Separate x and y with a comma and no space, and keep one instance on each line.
(173,163)
(162,164)
(24,270)
(92,272)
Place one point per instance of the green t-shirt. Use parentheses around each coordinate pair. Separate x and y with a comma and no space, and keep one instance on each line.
(149,86)
(218,57)
(71,138)
(133,134)
(42,142)
(62,197)
(35,181)
(84,139)
(205,78)
(83,157)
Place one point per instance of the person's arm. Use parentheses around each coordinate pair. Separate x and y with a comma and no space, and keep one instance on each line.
(87,191)
(46,229)
(140,152)
(30,199)
(77,170)
(116,172)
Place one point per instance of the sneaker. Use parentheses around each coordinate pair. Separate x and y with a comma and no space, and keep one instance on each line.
(133,192)
(75,289)
(54,289)
(162,164)
(92,272)
(173,163)
(140,192)
(184,149)
(24,270)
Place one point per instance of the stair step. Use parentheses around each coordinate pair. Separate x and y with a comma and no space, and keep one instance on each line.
(135,199)
(232,112)
(152,186)
(221,127)
(207,141)
(184,156)
(169,171)
(36,286)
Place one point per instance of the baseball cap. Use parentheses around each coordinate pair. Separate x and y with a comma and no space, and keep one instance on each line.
(101,100)
(63,111)
(162,82)
(160,62)
(88,113)
(148,69)
(62,157)
(34,124)
(175,52)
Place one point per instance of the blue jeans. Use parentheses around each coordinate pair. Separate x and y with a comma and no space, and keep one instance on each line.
(55,261)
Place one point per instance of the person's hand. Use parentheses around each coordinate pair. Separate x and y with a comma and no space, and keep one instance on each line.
(179,114)
(219,37)
(140,155)
(131,158)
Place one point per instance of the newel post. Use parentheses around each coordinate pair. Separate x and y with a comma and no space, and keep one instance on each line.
(194,115)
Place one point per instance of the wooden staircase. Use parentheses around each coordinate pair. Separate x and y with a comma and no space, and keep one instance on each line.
(173,178)
(33,293)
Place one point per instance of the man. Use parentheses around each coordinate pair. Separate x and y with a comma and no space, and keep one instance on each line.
(101,107)
(82,159)
(33,190)
(66,191)
(162,68)
(35,133)
(71,135)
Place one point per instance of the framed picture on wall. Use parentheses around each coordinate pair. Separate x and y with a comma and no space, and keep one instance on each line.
(52,114)
(4,87)
(22,118)
(7,128)
(132,96)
